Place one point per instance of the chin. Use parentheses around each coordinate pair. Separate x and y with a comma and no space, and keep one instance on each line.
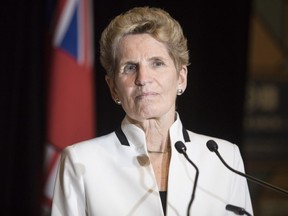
(143,115)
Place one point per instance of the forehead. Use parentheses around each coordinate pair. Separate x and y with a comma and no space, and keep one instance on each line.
(141,45)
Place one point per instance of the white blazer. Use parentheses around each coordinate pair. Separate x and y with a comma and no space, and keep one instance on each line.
(111,176)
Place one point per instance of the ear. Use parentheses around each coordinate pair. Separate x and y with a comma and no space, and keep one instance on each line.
(111,85)
(182,79)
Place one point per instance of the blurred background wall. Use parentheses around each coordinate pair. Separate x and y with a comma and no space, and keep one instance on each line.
(237,89)
(22,106)
(265,137)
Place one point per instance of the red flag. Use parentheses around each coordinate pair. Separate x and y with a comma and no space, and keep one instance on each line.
(71,111)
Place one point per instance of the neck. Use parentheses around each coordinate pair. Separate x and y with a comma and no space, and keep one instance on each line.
(167,150)
(156,133)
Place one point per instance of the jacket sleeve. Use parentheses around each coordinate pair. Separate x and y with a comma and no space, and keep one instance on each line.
(69,197)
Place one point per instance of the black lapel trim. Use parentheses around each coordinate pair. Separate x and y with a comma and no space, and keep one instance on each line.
(185,135)
(121,136)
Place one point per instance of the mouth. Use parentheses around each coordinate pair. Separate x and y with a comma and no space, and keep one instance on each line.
(145,95)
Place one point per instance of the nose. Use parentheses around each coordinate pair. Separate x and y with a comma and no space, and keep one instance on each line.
(143,76)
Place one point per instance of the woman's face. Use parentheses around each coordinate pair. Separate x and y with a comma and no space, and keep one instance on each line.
(146,80)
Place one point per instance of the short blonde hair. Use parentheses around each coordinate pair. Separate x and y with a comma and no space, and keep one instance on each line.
(154,21)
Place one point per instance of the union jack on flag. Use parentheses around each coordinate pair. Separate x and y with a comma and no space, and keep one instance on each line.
(71,111)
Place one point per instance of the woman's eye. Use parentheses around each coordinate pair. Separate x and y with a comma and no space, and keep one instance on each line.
(130,68)
(157,63)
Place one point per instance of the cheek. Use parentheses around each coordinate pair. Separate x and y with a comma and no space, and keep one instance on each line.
(123,92)
(172,83)
(125,86)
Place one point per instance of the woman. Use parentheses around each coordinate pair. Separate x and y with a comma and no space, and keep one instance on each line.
(136,169)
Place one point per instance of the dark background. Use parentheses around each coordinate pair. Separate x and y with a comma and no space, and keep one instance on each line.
(212,104)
